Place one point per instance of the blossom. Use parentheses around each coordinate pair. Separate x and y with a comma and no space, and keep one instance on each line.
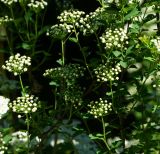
(35,4)
(5,19)
(19,138)
(116,38)
(105,73)
(99,108)
(17,64)
(25,104)
(9,2)
(3,106)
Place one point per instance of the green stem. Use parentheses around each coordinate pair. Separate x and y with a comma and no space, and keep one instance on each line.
(28,138)
(63,53)
(21,83)
(104,135)
(85,61)
(15,23)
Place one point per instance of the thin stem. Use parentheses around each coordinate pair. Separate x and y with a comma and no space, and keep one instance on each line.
(63,53)
(28,137)
(104,135)
(21,83)
(85,61)
(16,26)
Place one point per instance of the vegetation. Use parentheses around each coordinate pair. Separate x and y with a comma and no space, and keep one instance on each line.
(79,81)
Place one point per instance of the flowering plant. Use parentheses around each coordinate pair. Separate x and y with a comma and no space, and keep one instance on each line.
(79,80)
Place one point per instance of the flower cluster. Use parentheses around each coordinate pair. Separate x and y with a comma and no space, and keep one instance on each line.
(114,38)
(19,138)
(90,23)
(156,43)
(117,2)
(105,73)
(3,148)
(25,104)
(99,108)
(9,2)
(70,17)
(59,31)
(5,19)
(17,64)
(68,73)
(74,95)
(3,106)
(34,4)
(69,20)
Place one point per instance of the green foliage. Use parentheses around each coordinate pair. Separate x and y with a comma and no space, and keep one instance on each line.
(93,82)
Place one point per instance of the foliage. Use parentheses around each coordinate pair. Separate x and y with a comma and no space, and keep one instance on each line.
(86,82)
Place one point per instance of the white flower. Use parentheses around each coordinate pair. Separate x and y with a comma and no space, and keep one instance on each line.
(3,106)
(25,104)
(19,138)
(17,64)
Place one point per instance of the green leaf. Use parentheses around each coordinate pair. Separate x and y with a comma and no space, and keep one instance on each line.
(59,61)
(26,46)
(73,39)
(52,83)
(133,13)
(149,59)
(123,64)
(117,53)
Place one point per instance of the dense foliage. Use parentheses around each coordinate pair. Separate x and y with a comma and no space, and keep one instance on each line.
(79,79)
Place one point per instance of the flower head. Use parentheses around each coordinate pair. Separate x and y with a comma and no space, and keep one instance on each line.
(19,138)
(116,38)
(37,4)
(17,64)
(25,104)
(105,73)
(9,2)
(3,106)
(5,19)
(68,73)
(99,108)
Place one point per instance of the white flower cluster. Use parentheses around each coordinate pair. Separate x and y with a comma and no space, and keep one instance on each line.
(9,2)
(25,104)
(156,43)
(99,108)
(105,73)
(70,17)
(117,2)
(3,148)
(17,64)
(69,72)
(68,20)
(5,19)
(37,4)
(114,38)
(3,106)
(19,138)
(89,24)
